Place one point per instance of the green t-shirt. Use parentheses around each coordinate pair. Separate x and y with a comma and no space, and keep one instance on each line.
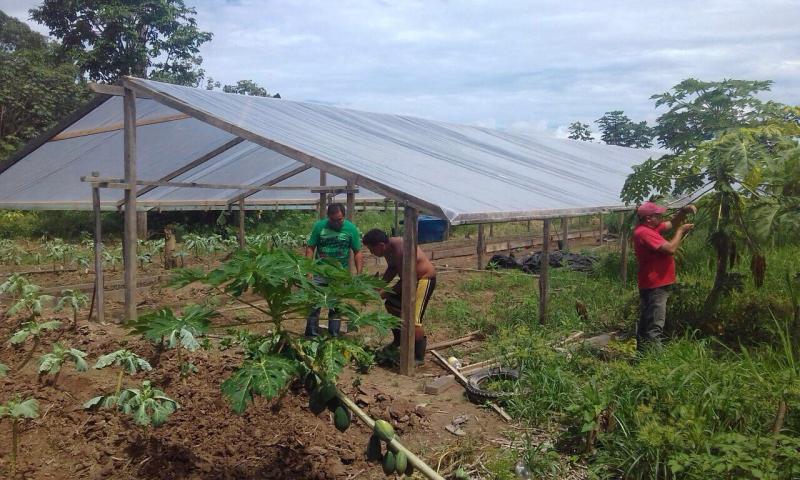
(335,244)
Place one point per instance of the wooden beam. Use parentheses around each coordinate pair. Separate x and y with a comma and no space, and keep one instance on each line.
(99,287)
(396,229)
(544,272)
(129,235)
(409,293)
(108,182)
(351,200)
(242,239)
(623,244)
(141,225)
(195,163)
(293,153)
(114,90)
(481,248)
(270,183)
(323,180)
(565,233)
(114,127)
(601,228)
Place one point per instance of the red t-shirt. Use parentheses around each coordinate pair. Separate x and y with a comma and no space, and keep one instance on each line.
(656,268)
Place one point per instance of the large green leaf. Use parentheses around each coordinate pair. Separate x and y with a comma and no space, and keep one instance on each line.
(265,375)
(22,408)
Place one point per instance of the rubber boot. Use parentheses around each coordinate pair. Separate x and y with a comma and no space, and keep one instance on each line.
(334,327)
(420,347)
(312,324)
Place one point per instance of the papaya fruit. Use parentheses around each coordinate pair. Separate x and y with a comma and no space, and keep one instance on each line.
(374,448)
(400,462)
(315,405)
(388,463)
(334,403)
(341,419)
(326,392)
(384,430)
(409,470)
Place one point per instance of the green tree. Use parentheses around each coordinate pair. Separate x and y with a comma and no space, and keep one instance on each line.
(108,39)
(580,131)
(617,129)
(242,87)
(36,87)
(699,111)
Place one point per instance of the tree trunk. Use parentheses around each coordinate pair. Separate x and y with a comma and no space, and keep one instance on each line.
(722,246)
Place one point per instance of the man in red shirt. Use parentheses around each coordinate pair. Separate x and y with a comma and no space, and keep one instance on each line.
(654,253)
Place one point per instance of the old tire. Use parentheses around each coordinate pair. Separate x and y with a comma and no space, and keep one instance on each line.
(475,391)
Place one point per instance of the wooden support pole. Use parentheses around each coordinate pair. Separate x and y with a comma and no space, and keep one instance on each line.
(409,292)
(99,288)
(396,229)
(447,229)
(601,229)
(565,234)
(242,240)
(323,180)
(351,200)
(491,230)
(129,235)
(141,225)
(544,272)
(481,249)
(623,244)
(529,225)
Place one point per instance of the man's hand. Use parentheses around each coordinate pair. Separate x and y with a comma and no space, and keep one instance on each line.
(685,227)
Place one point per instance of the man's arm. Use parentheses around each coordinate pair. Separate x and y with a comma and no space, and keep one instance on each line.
(671,246)
(310,251)
(389,274)
(358,259)
(680,217)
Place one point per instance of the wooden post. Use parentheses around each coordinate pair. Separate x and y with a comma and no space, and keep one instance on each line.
(529,225)
(544,272)
(98,256)
(242,240)
(396,222)
(623,244)
(351,210)
(601,229)
(409,291)
(481,249)
(129,235)
(323,180)
(491,230)
(565,233)
(141,225)
(447,230)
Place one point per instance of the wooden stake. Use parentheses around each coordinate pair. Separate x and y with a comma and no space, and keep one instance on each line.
(491,230)
(481,246)
(623,243)
(396,222)
(409,293)
(242,239)
(323,180)
(98,256)
(565,233)
(129,235)
(544,272)
(141,225)
(351,209)
(601,229)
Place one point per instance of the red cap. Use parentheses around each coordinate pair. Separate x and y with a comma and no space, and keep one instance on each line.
(650,208)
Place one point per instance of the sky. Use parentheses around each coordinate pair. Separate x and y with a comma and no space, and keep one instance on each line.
(529,66)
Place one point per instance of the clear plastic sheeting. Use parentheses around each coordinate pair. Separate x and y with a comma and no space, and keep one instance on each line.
(464,173)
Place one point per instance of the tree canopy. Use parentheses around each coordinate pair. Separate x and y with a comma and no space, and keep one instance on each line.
(107,39)
(241,87)
(580,131)
(617,129)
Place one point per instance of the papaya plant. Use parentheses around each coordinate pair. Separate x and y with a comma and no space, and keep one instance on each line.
(148,405)
(179,332)
(30,301)
(51,363)
(17,410)
(283,279)
(127,360)
(32,329)
(75,300)
(14,286)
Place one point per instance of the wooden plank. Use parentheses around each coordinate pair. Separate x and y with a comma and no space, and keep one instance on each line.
(323,180)
(141,225)
(270,183)
(99,287)
(481,247)
(108,182)
(242,239)
(114,90)
(115,127)
(476,335)
(129,235)
(623,243)
(194,163)
(409,292)
(544,272)
(130,82)
(396,229)
(565,233)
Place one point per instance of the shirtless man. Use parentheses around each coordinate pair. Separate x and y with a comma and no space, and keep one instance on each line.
(380,245)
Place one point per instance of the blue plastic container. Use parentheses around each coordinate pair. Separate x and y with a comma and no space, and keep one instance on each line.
(430,229)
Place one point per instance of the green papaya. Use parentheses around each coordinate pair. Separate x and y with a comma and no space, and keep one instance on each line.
(400,462)
(409,469)
(315,405)
(388,463)
(326,392)
(384,430)
(334,403)
(341,419)
(374,448)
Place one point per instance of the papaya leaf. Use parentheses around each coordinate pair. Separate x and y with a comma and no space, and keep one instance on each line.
(184,276)
(265,375)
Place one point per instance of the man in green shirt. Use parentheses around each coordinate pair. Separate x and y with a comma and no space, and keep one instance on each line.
(332,237)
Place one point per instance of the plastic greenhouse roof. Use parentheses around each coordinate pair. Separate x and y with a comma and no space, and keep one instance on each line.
(467,174)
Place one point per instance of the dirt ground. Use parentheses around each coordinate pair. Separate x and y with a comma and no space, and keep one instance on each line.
(204,439)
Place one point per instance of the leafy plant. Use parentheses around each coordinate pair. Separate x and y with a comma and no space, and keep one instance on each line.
(34,330)
(31,301)
(14,285)
(75,300)
(51,363)
(10,252)
(149,406)
(112,257)
(128,362)
(179,332)
(282,279)
(58,251)
(17,410)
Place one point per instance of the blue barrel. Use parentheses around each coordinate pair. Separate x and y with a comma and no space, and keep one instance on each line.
(430,229)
